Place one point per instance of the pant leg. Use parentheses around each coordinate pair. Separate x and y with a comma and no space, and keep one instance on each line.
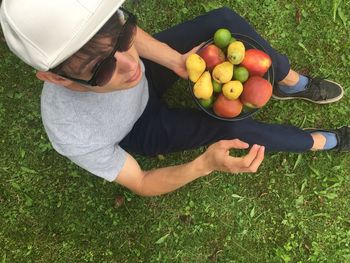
(185,36)
(163,130)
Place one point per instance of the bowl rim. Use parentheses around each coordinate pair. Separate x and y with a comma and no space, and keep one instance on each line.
(270,78)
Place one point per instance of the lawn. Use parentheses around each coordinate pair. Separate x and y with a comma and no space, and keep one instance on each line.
(295,209)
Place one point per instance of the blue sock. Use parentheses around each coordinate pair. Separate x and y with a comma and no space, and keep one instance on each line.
(331,140)
(300,86)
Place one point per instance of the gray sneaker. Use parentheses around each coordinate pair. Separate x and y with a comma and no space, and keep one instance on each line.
(318,90)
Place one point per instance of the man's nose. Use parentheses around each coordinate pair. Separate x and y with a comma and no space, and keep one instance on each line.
(125,62)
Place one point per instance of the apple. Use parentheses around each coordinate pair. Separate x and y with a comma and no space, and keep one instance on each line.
(257,62)
(226,108)
(212,56)
(256,92)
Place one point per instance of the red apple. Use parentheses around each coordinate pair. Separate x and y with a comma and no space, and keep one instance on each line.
(256,92)
(226,108)
(257,62)
(212,56)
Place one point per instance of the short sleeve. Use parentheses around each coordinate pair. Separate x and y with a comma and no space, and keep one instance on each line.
(105,162)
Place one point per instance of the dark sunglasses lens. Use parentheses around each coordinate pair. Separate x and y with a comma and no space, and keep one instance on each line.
(126,37)
(105,72)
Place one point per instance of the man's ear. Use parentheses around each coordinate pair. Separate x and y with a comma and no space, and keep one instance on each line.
(52,77)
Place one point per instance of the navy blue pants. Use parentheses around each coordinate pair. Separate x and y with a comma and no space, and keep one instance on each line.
(161,129)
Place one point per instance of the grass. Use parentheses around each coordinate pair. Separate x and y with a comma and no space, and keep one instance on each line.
(295,209)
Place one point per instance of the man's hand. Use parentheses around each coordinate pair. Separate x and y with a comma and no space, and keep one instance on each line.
(164,180)
(150,48)
(217,157)
(180,67)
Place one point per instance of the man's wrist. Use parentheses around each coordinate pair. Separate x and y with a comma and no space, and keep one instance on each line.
(202,165)
(175,60)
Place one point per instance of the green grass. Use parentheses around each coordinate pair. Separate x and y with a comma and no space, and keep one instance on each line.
(295,209)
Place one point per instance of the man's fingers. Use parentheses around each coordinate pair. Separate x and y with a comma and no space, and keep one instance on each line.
(235,143)
(258,160)
(249,158)
(195,49)
(251,162)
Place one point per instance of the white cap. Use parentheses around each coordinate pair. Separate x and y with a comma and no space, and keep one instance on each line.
(44,33)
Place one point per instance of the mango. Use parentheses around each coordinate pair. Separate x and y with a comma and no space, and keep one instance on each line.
(236,52)
(203,88)
(223,72)
(232,89)
(195,67)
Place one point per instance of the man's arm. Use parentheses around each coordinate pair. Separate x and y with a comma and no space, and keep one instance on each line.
(150,48)
(164,180)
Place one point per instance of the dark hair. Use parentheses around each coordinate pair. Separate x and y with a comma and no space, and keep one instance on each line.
(99,46)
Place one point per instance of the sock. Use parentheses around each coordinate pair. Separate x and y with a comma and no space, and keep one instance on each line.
(331,140)
(300,86)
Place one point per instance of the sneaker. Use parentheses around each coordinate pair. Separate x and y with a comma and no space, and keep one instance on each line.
(318,90)
(343,137)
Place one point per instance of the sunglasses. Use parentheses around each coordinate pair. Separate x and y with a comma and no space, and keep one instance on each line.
(104,70)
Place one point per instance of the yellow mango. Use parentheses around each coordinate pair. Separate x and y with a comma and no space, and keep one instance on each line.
(203,88)
(223,72)
(236,52)
(195,67)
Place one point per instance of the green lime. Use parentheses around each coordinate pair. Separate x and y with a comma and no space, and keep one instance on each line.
(217,87)
(208,103)
(232,40)
(222,37)
(241,74)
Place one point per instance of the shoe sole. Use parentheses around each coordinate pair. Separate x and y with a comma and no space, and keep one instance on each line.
(317,102)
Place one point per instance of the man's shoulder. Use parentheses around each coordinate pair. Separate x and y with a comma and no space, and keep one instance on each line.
(62,121)
(87,117)
(56,102)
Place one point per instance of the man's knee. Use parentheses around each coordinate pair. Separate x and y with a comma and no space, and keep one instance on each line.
(224,15)
(224,11)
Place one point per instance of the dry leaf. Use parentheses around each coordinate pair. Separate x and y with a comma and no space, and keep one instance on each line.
(298,16)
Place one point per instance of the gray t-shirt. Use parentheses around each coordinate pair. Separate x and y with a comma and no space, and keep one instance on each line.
(87,127)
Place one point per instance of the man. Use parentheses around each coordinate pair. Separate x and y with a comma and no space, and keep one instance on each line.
(100,103)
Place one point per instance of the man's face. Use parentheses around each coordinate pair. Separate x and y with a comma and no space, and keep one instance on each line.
(127,74)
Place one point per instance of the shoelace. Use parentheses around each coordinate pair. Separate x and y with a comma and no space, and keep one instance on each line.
(317,91)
